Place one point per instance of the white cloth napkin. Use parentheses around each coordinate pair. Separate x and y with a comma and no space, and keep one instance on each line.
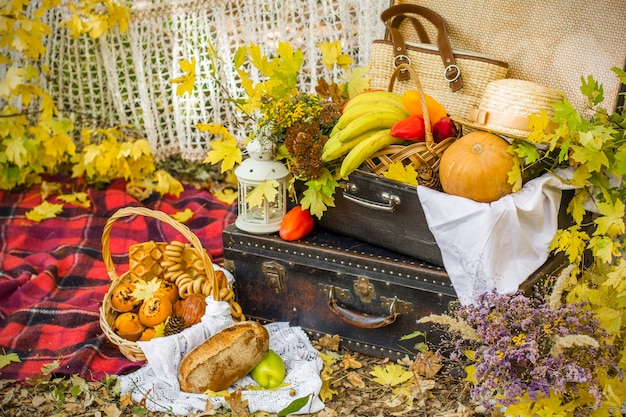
(498,245)
(156,383)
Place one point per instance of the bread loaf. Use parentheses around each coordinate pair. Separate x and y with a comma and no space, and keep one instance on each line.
(224,358)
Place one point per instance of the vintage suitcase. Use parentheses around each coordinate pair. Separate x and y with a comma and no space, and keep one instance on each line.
(388,213)
(382,212)
(333,284)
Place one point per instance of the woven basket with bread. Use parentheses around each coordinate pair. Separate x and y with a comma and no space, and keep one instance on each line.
(164,290)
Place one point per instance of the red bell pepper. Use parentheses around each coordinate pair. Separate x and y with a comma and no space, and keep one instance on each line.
(411,128)
(297,223)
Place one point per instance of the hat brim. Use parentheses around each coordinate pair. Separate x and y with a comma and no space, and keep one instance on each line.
(498,130)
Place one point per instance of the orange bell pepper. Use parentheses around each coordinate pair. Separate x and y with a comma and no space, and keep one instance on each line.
(297,223)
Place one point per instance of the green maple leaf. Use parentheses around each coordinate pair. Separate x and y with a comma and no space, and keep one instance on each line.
(266,191)
(391,375)
(604,248)
(593,159)
(401,173)
(8,358)
(43,211)
(186,82)
(16,150)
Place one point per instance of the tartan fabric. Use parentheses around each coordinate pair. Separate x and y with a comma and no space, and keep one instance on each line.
(53,278)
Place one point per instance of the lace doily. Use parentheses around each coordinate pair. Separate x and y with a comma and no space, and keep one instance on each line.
(156,383)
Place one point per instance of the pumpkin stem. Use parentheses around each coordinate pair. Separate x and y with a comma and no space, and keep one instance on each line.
(477,148)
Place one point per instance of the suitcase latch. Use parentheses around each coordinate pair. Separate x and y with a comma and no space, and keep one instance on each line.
(275,276)
(403,307)
(364,290)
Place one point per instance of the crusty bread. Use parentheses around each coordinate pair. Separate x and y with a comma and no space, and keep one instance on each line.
(224,358)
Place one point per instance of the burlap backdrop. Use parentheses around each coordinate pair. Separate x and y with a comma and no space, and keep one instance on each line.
(554,42)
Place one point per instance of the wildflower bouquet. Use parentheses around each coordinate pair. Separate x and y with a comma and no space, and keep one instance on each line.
(295,123)
(532,356)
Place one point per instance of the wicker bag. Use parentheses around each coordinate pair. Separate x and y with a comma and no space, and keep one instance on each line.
(423,156)
(454,78)
(188,266)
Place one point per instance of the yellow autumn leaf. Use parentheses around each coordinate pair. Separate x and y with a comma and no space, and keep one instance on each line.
(391,375)
(146,289)
(76,198)
(266,191)
(183,216)
(349,362)
(159,330)
(331,55)
(166,184)
(226,195)
(401,173)
(225,151)
(186,82)
(44,211)
(12,78)
(359,81)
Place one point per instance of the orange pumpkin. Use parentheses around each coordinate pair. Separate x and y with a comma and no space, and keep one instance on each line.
(154,311)
(477,166)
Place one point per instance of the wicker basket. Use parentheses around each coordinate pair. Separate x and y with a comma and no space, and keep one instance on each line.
(205,281)
(423,156)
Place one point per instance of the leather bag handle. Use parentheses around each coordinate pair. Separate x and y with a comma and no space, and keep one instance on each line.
(417,25)
(452,73)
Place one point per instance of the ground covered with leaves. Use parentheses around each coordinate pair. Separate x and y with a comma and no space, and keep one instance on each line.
(355,385)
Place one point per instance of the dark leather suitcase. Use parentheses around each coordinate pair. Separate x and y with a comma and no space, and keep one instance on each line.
(388,213)
(333,284)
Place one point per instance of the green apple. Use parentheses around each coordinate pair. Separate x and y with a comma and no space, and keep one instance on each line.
(270,372)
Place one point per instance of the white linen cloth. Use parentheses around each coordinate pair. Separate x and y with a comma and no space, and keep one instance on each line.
(498,245)
(156,383)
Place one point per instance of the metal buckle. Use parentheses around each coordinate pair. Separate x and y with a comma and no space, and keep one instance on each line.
(448,68)
(404,58)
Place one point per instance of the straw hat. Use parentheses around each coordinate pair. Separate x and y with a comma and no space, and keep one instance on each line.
(506,104)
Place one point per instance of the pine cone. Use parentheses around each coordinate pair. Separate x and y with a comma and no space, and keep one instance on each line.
(174,324)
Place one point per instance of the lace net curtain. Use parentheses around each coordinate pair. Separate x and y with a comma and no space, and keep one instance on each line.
(125,78)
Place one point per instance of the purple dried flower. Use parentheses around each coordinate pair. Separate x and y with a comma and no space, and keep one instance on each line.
(516,354)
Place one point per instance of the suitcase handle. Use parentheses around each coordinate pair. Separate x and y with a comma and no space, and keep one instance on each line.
(359,319)
(390,201)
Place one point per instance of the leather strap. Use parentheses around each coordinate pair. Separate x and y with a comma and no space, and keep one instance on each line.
(452,73)
(417,25)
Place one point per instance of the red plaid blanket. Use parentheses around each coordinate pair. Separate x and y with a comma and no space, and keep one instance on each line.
(53,278)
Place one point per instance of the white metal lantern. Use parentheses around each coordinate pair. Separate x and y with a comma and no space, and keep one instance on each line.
(252,172)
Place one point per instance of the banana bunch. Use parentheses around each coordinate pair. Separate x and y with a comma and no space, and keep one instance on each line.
(364,128)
